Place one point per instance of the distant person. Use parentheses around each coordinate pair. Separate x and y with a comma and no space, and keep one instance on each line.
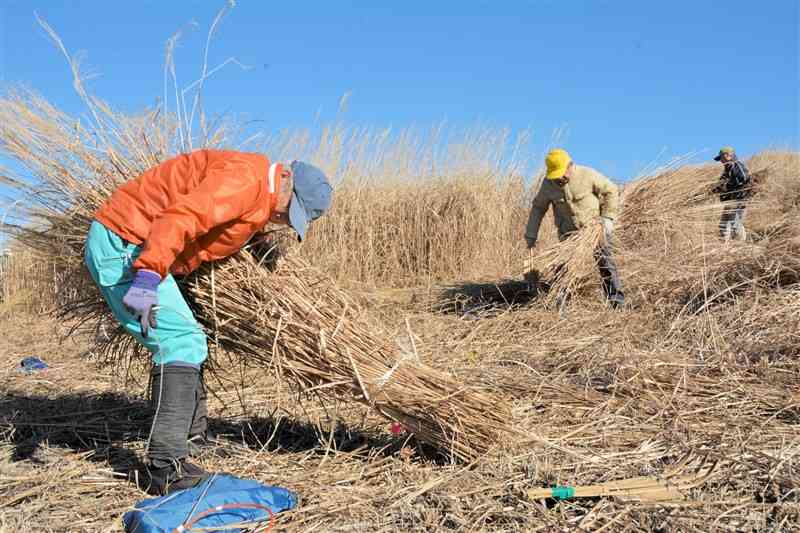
(734,189)
(579,195)
(192,209)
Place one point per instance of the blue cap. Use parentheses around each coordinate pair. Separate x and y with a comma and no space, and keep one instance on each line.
(311,196)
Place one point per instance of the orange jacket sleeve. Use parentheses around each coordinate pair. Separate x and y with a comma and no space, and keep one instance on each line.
(228,191)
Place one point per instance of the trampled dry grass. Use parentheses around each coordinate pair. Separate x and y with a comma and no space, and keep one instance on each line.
(602,395)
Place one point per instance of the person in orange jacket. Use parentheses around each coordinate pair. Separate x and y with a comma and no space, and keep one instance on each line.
(192,209)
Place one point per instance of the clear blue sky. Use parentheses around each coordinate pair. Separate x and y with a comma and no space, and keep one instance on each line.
(627,78)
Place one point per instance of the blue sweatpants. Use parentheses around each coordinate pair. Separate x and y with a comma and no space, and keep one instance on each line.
(177,337)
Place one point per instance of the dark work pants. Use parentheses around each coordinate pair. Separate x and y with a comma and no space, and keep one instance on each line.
(612,286)
(177,396)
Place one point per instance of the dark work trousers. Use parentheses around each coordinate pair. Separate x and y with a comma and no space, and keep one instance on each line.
(612,286)
(174,394)
(200,418)
(609,274)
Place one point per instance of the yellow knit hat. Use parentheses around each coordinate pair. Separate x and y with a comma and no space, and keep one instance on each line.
(557,162)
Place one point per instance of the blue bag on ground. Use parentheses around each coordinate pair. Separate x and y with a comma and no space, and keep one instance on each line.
(222,498)
(29,365)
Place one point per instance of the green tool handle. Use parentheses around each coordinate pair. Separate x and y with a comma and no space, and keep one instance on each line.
(563,493)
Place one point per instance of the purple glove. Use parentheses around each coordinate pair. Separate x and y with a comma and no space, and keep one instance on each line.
(142,298)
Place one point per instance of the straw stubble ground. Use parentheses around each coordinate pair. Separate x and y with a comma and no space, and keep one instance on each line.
(70,438)
(603,396)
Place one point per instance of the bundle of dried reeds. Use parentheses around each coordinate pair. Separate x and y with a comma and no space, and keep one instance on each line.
(298,322)
(570,266)
(668,197)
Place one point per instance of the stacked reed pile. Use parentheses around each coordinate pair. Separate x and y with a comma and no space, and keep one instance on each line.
(669,235)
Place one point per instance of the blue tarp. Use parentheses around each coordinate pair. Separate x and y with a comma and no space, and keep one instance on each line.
(166,513)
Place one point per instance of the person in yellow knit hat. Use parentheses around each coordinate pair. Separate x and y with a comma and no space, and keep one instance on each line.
(578,195)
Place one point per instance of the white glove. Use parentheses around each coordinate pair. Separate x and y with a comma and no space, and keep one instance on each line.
(608,229)
(528,263)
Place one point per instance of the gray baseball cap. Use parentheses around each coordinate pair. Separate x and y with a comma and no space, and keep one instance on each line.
(724,150)
(311,196)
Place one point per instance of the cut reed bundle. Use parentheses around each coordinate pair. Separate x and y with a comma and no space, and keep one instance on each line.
(675,196)
(570,266)
(298,322)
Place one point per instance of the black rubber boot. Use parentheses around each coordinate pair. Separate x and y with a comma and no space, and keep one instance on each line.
(180,475)
(173,397)
(201,440)
(198,430)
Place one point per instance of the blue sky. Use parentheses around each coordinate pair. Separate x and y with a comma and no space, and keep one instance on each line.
(629,80)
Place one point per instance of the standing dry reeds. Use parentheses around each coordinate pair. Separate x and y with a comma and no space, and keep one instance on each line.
(26,282)
(412,229)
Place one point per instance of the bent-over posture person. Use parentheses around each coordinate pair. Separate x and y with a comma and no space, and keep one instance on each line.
(191,209)
(734,189)
(578,195)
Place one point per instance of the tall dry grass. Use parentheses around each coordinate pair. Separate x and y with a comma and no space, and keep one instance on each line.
(410,209)
(416,205)
(26,283)
(411,206)
(399,233)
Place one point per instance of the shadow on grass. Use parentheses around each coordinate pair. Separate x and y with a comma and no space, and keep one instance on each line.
(109,423)
(81,422)
(481,298)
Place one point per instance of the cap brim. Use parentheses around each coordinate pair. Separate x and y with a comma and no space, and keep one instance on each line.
(719,157)
(297,217)
(557,173)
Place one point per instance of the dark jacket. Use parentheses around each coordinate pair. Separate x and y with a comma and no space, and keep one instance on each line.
(735,182)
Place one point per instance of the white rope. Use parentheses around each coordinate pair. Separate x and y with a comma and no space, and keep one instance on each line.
(407,354)
(381,382)
(273,169)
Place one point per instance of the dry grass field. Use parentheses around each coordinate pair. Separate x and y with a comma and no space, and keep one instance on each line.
(703,364)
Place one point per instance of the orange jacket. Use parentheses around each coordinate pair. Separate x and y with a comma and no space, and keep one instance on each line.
(194,208)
